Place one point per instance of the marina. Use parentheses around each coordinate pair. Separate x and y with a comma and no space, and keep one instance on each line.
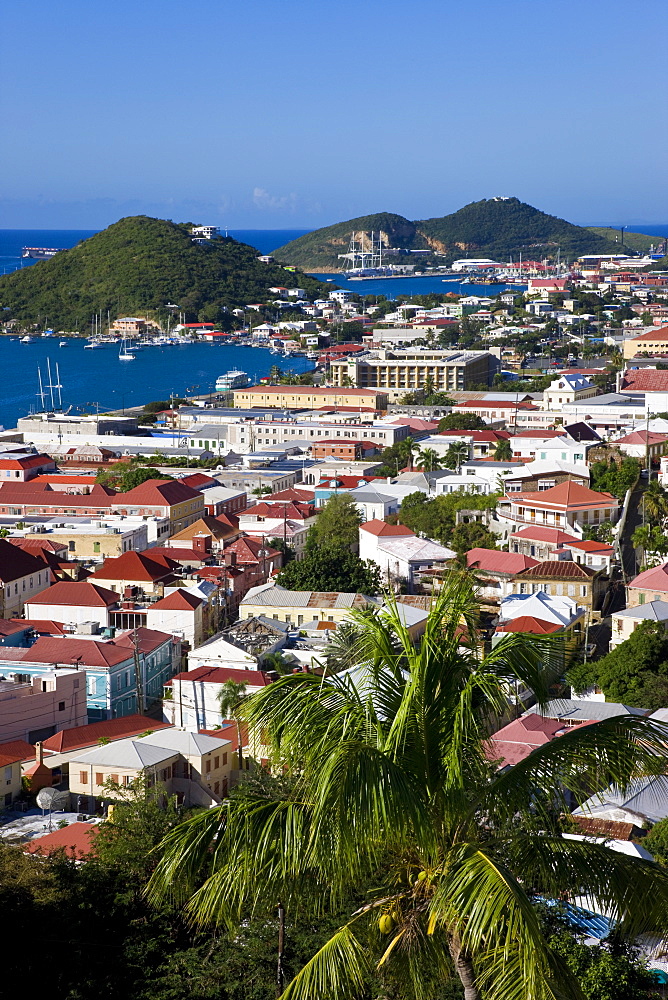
(97,380)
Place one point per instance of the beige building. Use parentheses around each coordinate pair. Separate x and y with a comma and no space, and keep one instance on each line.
(163,498)
(300,607)
(92,543)
(652,342)
(624,623)
(22,577)
(402,371)
(194,766)
(11,757)
(296,397)
(568,388)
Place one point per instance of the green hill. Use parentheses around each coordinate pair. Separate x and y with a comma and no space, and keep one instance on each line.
(632,241)
(319,250)
(493,227)
(137,266)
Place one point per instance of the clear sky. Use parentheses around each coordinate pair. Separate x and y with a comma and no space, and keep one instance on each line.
(299,113)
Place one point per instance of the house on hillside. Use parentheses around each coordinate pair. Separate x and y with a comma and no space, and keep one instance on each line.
(569,507)
(652,585)
(495,572)
(565,578)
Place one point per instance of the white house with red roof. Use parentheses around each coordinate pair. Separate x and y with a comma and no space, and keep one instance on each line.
(540,542)
(194,704)
(181,614)
(73,602)
(163,498)
(643,444)
(138,574)
(399,554)
(569,507)
(19,468)
(596,555)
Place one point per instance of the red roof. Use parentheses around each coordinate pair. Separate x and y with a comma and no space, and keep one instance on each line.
(27,462)
(16,563)
(538,434)
(38,545)
(295,510)
(180,600)
(527,623)
(110,729)
(219,675)
(381,529)
(566,494)
(76,840)
(14,751)
(652,579)
(159,491)
(310,390)
(515,741)
(198,481)
(560,569)
(71,651)
(299,493)
(661,333)
(643,437)
(536,533)
(589,546)
(498,404)
(644,380)
(9,627)
(75,593)
(43,625)
(136,566)
(492,561)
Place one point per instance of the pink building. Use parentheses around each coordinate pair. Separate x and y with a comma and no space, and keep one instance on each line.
(34,708)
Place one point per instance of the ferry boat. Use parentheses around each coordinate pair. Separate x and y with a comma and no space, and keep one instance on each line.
(40,253)
(232,380)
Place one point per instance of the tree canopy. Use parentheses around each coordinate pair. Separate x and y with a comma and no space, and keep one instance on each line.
(634,673)
(393,789)
(461,422)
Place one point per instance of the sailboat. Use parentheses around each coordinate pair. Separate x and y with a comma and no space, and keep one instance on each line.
(124,354)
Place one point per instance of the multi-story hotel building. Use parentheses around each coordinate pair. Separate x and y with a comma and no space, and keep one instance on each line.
(401,371)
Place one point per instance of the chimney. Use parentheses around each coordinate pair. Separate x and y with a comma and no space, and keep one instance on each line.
(39,752)
(202,544)
(230,559)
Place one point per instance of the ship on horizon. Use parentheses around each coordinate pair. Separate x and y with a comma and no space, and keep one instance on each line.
(40,253)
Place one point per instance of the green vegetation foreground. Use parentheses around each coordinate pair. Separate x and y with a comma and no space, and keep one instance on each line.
(388,784)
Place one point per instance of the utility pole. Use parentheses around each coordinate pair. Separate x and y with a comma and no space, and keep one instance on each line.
(139,687)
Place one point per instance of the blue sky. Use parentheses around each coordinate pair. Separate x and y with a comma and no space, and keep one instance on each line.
(298,113)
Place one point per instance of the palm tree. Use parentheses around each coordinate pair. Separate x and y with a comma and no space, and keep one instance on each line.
(392,781)
(407,448)
(231,696)
(457,453)
(655,503)
(503,451)
(428,460)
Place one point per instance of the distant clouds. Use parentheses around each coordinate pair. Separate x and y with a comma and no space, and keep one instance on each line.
(263,200)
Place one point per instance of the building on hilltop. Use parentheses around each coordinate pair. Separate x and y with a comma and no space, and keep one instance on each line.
(398,372)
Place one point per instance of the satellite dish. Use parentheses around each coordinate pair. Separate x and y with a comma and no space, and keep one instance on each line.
(52,799)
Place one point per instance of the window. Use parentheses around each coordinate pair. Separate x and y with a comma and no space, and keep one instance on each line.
(216,788)
(71,545)
(216,763)
(99,778)
(208,766)
(127,780)
(8,775)
(96,546)
(83,777)
(571,590)
(224,759)
(114,778)
(583,591)
(61,706)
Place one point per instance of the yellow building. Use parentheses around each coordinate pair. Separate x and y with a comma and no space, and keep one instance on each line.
(194,766)
(300,607)
(163,498)
(652,342)
(292,397)
(11,756)
(400,371)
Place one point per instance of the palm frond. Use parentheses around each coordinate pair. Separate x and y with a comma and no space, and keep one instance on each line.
(340,969)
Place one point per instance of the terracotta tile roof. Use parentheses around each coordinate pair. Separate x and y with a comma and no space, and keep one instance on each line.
(206,525)
(110,729)
(11,627)
(643,437)
(607,828)
(567,494)
(70,651)
(43,625)
(198,481)
(165,492)
(180,600)
(149,639)
(661,333)
(492,561)
(16,563)
(38,545)
(14,751)
(77,841)
(527,623)
(644,380)
(383,530)
(75,593)
(299,493)
(136,566)
(589,546)
(558,569)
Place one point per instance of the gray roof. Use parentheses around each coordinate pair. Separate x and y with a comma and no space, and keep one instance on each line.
(135,753)
(184,742)
(656,611)
(370,496)
(585,710)
(276,596)
(646,797)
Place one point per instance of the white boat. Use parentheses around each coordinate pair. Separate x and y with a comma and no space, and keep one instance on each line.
(62,343)
(27,339)
(124,354)
(232,380)
(93,345)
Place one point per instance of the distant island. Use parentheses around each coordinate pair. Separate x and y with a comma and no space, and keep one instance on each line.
(493,227)
(137,266)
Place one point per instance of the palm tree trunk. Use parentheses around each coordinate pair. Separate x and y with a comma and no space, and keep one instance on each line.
(239,757)
(464,969)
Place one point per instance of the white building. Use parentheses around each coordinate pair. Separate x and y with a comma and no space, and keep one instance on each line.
(567,388)
(624,623)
